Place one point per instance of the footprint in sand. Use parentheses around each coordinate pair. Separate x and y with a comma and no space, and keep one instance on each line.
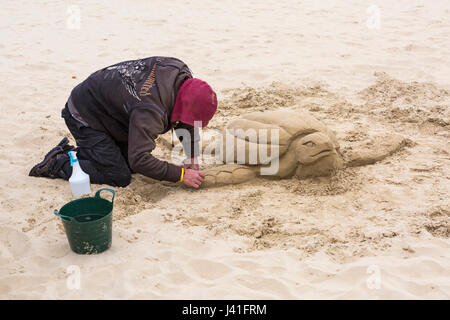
(208,270)
(267,285)
(247,265)
(13,244)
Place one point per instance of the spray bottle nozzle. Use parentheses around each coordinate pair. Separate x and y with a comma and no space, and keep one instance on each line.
(73,157)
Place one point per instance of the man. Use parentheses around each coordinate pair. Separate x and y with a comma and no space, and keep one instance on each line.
(116,114)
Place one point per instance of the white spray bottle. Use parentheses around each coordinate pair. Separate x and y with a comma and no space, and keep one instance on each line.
(79,180)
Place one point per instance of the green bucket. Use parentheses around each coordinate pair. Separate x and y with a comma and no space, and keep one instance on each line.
(88,223)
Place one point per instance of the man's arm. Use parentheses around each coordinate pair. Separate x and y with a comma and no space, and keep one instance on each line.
(145,125)
(190,146)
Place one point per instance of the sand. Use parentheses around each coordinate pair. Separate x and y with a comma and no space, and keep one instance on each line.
(373,232)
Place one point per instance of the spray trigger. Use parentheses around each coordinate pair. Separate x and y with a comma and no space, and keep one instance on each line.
(72,160)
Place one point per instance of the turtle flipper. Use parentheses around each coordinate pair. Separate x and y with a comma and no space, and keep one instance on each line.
(228,174)
(377,149)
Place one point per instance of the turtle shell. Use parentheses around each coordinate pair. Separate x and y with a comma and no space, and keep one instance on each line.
(257,138)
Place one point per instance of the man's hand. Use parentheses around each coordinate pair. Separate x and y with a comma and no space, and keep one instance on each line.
(191,163)
(193,178)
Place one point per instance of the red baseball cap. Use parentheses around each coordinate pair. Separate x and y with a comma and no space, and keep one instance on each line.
(195,101)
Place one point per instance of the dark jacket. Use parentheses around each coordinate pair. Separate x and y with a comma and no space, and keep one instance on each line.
(132,101)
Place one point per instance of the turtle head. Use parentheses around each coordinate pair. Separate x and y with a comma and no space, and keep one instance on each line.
(313,147)
(317,155)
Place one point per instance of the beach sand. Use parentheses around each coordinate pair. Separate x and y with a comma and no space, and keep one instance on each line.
(372,232)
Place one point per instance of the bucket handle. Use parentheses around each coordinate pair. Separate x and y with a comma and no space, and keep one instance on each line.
(56,212)
(97,194)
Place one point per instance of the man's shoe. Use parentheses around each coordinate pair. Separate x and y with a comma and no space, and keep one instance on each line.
(45,167)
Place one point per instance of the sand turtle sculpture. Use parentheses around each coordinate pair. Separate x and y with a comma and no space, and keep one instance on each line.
(283,143)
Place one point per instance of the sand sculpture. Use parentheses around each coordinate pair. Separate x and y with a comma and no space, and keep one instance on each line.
(306,148)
